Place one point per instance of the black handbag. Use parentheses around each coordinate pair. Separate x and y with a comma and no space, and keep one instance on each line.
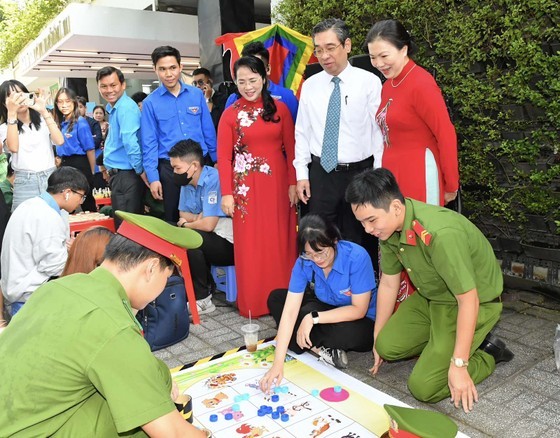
(166,319)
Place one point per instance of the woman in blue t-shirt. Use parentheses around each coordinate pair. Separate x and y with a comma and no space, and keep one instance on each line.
(78,150)
(329,307)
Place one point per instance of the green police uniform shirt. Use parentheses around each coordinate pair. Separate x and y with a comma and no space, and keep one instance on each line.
(444,254)
(77,337)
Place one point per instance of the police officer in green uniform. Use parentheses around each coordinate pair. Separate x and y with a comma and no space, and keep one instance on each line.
(447,322)
(74,362)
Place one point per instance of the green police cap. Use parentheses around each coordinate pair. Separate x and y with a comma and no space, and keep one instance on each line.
(420,423)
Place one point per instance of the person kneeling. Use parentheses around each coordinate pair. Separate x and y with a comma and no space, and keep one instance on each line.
(458,286)
(337,312)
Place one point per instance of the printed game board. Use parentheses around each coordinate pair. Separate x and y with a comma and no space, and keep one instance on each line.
(317,400)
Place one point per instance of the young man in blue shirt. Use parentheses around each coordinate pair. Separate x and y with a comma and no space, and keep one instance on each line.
(282,94)
(200,210)
(122,155)
(173,112)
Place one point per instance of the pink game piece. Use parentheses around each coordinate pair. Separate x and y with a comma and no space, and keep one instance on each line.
(330,395)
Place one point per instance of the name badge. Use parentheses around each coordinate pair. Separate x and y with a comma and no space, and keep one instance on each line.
(212,198)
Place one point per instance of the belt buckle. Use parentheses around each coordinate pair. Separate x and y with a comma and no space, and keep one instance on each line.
(342,167)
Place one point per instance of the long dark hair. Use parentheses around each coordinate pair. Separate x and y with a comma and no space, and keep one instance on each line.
(257,66)
(7,88)
(393,32)
(58,116)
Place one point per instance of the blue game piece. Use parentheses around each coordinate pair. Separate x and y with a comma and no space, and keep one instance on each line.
(280,409)
(235,408)
(285,389)
(261,413)
(269,409)
(315,392)
(237,398)
(277,389)
(275,415)
(213,418)
(275,398)
(285,417)
(229,416)
(263,407)
(337,389)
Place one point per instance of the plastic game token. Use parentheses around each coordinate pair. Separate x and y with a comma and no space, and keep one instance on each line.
(263,407)
(261,413)
(229,416)
(284,389)
(315,392)
(269,409)
(277,389)
(275,398)
(280,409)
(213,418)
(245,396)
(285,417)
(337,389)
(275,415)
(237,398)
(235,408)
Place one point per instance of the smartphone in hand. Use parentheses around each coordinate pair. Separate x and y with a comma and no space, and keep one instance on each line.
(29,99)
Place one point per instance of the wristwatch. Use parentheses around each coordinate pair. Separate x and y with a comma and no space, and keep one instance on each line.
(12,122)
(315,317)
(459,363)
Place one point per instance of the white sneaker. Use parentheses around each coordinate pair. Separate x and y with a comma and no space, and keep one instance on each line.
(204,306)
(334,356)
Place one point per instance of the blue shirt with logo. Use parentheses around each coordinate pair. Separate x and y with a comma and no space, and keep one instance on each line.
(205,198)
(122,146)
(352,274)
(278,93)
(167,119)
(76,142)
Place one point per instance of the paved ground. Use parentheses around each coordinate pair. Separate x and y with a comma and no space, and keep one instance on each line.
(521,399)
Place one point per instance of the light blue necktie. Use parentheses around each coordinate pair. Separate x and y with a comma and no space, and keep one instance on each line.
(329,153)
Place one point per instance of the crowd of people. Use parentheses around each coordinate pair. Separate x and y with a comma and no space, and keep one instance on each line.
(365,158)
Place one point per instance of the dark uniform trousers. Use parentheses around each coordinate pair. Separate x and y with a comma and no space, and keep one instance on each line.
(127,192)
(81,163)
(327,195)
(215,250)
(348,336)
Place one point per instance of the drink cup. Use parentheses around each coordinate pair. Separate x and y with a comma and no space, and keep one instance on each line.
(251,336)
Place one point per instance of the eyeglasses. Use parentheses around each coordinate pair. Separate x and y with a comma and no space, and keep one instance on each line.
(319,256)
(84,196)
(328,50)
(199,83)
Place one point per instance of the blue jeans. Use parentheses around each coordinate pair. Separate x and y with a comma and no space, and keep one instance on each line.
(29,184)
(15,307)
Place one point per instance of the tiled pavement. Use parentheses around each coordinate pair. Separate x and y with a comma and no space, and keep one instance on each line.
(521,398)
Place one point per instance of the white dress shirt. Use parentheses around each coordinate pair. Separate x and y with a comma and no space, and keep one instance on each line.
(359,136)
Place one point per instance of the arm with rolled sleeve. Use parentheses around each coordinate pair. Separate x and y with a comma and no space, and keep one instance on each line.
(208,130)
(150,145)
(129,125)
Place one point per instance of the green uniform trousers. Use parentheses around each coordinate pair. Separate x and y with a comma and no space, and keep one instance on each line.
(427,329)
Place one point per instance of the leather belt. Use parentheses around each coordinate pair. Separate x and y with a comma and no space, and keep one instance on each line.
(347,167)
(113,172)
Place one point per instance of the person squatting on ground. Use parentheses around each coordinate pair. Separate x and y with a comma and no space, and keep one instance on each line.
(329,306)
(447,322)
(35,244)
(82,366)
(200,210)
(28,131)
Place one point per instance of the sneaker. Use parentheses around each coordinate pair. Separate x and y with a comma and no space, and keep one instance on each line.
(334,356)
(204,306)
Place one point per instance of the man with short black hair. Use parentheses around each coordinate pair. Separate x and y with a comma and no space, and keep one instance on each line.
(139,97)
(458,282)
(34,248)
(173,112)
(216,101)
(122,155)
(74,361)
(200,210)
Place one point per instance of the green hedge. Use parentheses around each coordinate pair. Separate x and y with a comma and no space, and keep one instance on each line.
(498,64)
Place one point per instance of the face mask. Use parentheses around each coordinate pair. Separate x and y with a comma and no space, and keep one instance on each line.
(182,179)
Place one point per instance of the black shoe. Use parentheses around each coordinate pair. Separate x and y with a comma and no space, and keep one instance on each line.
(496,348)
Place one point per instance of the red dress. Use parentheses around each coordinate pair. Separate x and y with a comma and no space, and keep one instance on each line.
(420,143)
(255,165)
